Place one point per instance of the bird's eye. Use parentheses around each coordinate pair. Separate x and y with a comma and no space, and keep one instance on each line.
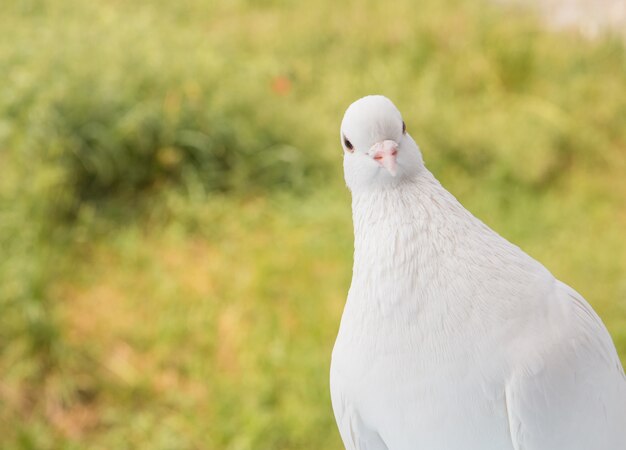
(403,127)
(347,143)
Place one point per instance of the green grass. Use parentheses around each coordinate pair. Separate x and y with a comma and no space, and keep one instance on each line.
(175,232)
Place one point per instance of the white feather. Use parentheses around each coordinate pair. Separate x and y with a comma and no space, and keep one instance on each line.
(453,338)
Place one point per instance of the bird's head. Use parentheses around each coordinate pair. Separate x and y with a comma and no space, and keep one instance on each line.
(378,151)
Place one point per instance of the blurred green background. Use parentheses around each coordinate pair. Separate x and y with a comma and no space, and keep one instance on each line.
(174,230)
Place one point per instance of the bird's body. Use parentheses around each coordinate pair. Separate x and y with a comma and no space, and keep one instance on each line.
(453,338)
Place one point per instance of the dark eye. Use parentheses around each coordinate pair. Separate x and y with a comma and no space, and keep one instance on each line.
(403,127)
(347,143)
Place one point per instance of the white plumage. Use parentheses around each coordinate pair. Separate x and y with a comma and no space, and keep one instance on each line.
(452,338)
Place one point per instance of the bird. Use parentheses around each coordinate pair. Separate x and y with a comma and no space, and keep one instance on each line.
(451,337)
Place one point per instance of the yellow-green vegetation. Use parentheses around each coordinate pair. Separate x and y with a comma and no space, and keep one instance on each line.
(175,234)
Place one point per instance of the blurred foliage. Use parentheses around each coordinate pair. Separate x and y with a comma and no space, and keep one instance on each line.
(174,228)
(118,107)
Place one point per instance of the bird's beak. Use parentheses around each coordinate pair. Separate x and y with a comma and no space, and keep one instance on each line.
(384,153)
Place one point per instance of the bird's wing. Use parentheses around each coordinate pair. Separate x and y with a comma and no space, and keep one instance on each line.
(354,433)
(575,399)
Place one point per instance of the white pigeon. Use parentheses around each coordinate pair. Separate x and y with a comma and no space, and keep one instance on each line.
(452,338)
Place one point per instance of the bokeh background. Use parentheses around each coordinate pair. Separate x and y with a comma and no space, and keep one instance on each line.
(175,234)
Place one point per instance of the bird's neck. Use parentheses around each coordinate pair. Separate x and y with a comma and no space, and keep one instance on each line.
(420,202)
(405,226)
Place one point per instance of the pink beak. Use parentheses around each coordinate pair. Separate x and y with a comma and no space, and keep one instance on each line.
(384,153)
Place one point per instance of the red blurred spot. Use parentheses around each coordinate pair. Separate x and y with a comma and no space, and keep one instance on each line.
(281,85)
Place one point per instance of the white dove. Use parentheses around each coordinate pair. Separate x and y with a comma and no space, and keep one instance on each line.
(452,338)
